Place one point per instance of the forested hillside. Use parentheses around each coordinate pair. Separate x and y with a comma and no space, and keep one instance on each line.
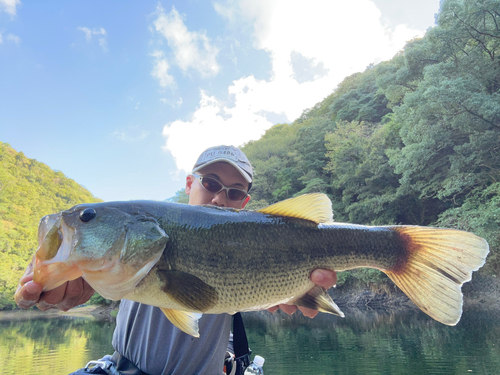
(414,140)
(28,191)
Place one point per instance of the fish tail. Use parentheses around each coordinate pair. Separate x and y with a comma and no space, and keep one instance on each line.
(438,263)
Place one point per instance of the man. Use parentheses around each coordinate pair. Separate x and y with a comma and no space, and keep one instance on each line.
(143,337)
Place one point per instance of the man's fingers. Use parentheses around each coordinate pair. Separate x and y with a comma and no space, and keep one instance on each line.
(25,279)
(29,268)
(273,309)
(50,299)
(289,309)
(66,296)
(310,313)
(321,277)
(28,294)
(27,276)
(324,278)
(77,292)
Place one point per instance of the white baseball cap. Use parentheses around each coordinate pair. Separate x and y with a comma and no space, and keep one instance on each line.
(226,154)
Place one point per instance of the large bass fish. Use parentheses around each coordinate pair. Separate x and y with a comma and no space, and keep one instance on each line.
(203,259)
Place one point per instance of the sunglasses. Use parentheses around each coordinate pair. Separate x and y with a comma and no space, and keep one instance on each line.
(215,187)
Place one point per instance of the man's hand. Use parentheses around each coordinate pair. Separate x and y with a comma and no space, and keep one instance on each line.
(323,278)
(64,297)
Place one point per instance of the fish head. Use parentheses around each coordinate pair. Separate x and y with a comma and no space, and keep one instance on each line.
(109,247)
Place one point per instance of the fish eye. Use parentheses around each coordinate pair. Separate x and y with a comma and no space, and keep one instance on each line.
(87,215)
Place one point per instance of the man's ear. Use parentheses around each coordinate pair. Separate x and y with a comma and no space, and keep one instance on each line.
(189,182)
(247,199)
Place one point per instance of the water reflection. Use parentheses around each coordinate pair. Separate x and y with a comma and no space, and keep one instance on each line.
(52,346)
(375,342)
(365,342)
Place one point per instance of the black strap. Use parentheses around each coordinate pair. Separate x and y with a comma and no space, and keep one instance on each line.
(125,366)
(240,342)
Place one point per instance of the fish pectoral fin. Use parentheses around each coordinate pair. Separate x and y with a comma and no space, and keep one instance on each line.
(318,299)
(186,321)
(188,290)
(315,207)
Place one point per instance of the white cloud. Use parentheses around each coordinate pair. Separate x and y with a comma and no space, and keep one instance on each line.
(103,44)
(9,6)
(13,38)
(160,70)
(311,52)
(192,50)
(10,38)
(88,36)
(173,103)
(130,134)
(87,32)
(212,123)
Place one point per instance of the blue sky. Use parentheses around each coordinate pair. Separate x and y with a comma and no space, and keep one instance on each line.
(122,96)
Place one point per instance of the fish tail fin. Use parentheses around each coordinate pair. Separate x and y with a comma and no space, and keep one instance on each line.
(439,262)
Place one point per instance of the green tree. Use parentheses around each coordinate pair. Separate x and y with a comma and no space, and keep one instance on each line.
(451,122)
(358,98)
(402,74)
(310,155)
(274,176)
(360,170)
(480,214)
(179,197)
(29,190)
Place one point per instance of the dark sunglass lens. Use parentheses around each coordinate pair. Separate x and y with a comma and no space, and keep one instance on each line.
(236,195)
(211,185)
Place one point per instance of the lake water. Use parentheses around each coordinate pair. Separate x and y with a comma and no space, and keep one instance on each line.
(365,342)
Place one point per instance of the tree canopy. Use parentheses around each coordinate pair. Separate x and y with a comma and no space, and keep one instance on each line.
(29,190)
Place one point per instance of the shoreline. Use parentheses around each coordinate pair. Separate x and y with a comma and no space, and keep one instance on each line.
(87,312)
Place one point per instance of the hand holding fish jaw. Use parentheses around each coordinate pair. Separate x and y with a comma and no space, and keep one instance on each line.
(64,297)
(323,278)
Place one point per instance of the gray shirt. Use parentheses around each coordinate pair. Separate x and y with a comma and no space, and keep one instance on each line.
(145,336)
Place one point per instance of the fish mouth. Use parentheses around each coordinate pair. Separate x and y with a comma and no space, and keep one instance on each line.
(52,266)
(49,237)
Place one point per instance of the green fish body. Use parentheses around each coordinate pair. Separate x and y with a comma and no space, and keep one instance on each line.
(203,259)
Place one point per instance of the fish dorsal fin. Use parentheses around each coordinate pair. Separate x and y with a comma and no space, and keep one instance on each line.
(186,321)
(316,207)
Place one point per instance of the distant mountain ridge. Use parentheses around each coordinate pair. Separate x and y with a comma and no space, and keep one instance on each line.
(29,190)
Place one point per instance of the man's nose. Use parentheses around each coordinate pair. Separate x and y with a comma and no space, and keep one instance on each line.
(220,199)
